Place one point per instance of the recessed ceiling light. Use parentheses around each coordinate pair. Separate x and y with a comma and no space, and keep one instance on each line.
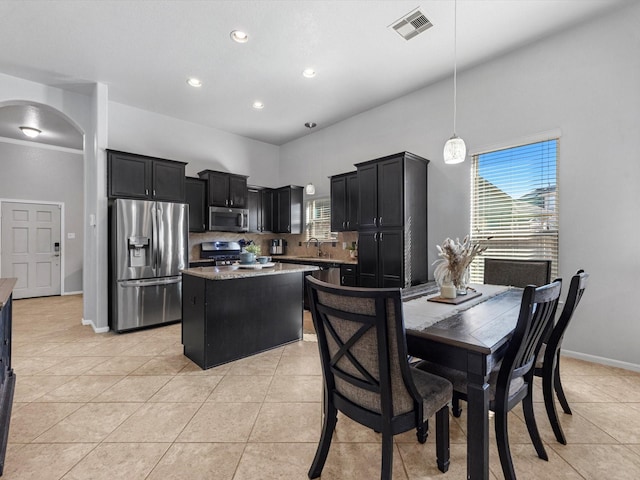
(30,131)
(239,36)
(309,73)
(310,124)
(258,105)
(194,82)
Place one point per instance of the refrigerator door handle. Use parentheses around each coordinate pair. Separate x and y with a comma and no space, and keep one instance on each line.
(151,282)
(156,247)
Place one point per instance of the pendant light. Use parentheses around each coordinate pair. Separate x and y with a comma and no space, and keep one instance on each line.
(455,150)
(310,189)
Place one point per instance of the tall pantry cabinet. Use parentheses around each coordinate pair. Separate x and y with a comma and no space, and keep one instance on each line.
(392,221)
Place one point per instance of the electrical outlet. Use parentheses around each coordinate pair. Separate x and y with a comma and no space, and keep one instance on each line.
(344,245)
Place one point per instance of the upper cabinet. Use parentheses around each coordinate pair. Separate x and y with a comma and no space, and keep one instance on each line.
(147,178)
(196,197)
(392,232)
(226,189)
(260,209)
(344,202)
(382,192)
(287,210)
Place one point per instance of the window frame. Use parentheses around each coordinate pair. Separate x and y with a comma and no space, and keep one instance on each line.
(523,240)
(314,225)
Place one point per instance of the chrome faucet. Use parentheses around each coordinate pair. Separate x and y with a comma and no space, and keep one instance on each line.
(318,245)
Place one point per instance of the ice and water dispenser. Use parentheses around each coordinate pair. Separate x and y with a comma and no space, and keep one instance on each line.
(139,251)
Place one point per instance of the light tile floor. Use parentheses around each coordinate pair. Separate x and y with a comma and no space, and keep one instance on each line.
(131,406)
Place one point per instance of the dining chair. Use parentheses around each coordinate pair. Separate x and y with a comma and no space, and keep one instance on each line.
(516,272)
(510,382)
(548,360)
(366,375)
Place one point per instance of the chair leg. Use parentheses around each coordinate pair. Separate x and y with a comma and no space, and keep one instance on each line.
(502,439)
(455,404)
(559,390)
(422,432)
(387,454)
(530,420)
(442,439)
(328,426)
(549,378)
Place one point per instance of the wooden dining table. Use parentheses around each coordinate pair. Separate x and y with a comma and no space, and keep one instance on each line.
(472,337)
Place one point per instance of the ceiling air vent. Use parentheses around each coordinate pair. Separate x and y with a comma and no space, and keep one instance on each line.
(412,24)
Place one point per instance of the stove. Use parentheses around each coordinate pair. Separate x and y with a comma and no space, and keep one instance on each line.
(221,253)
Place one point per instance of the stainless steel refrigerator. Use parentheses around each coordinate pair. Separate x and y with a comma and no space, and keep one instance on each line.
(148,248)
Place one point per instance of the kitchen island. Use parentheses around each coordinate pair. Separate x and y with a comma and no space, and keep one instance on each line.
(230,312)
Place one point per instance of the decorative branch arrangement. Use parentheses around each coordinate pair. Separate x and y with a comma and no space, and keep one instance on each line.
(455,260)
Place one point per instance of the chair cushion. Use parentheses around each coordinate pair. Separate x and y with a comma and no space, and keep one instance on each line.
(459,378)
(436,391)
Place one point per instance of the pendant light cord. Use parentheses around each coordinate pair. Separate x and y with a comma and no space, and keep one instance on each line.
(455,63)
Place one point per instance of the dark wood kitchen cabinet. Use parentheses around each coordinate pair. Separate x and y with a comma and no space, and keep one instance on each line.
(196,197)
(147,178)
(348,275)
(259,201)
(225,189)
(392,231)
(7,377)
(344,202)
(287,209)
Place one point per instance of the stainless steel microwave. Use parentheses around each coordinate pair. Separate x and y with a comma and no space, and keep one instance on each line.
(229,219)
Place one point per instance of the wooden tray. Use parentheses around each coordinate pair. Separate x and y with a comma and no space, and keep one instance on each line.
(458,300)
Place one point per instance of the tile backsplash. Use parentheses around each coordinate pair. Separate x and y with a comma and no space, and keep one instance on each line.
(296,244)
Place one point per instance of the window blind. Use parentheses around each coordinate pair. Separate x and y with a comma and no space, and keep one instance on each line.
(318,217)
(514,204)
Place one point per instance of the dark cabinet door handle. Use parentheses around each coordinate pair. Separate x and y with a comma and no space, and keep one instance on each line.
(375,237)
(380,236)
(375,222)
(380,221)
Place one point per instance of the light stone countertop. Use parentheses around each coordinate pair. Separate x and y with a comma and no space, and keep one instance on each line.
(6,289)
(234,272)
(303,259)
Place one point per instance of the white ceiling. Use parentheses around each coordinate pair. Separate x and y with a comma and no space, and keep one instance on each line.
(145,50)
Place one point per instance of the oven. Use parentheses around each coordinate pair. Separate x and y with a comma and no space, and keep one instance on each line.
(220,253)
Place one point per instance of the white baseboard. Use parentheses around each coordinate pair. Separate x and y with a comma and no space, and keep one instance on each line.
(602,360)
(79,292)
(93,325)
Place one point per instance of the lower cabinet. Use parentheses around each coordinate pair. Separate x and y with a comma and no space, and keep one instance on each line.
(349,275)
(381,259)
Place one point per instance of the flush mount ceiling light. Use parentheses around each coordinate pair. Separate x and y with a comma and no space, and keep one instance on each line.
(455,150)
(310,124)
(310,189)
(309,73)
(194,82)
(239,36)
(30,131)
(258,105)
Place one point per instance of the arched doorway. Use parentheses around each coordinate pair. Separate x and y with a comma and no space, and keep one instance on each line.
(42,200)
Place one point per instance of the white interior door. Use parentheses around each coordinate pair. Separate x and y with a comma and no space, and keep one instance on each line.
(31,248)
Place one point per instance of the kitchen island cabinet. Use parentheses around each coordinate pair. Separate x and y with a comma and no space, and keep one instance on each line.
(230,313)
